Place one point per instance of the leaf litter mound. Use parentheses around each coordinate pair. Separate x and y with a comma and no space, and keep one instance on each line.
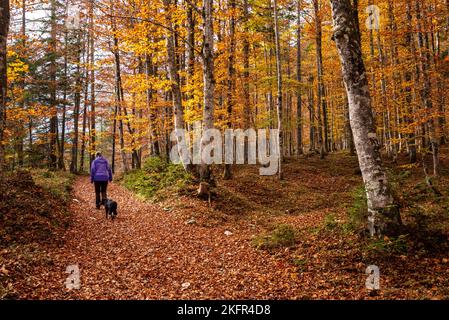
(28,213)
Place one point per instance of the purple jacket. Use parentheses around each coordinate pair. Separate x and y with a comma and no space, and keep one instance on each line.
(100,170)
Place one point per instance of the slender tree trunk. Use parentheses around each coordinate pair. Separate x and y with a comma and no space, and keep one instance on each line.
(61,163)
(299,146)
(76,110)
(85,104)
(190,66)
(408,90)
(20,127)
(279,87)
(52,85)
(321,98)
(246,91)
(176,94)
(154,140)
(231,79)
(93,133)
(312,129)
(122,137)
(4,29)
(114,136)
(383,214)
(209,82)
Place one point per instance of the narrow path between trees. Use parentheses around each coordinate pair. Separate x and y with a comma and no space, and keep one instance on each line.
(146,253)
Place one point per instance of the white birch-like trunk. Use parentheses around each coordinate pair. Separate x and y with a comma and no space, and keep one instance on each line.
(383,214)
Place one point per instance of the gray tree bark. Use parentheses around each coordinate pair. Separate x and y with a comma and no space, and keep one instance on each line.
(383,214)
(279,87)
(173,69)
(209,80)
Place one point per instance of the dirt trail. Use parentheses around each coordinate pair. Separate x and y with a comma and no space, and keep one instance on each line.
(148,253)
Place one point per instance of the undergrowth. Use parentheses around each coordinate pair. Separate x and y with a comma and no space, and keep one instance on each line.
(158,179)
(282,236)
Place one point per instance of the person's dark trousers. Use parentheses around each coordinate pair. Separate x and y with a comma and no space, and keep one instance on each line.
(100,192)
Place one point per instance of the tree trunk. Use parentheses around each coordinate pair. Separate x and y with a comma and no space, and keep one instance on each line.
(231,79)
(93,133)
(122,138)
(85,104)
(312,129)
(52,85)
(321,96)
(209,82)
(246,91)
(61,163)
(76,110)
(4,29)
(178,111)
(383,214)
(279,87)
(154,140)
(299,146)
(20,128)
(114,136)
(408,90)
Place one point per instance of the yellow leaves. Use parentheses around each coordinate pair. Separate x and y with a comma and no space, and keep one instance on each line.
(16,67)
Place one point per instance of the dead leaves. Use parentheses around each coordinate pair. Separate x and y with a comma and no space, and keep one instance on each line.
(172,252)
(149,253)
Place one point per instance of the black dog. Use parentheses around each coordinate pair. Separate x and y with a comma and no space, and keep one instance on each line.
(111,208)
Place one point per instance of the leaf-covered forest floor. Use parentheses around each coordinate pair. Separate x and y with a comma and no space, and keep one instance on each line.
(260,238)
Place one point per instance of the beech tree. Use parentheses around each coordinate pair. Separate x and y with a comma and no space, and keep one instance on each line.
(209,82)
(383,214)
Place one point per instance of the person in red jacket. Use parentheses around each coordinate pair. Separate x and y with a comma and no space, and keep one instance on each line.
(100,175)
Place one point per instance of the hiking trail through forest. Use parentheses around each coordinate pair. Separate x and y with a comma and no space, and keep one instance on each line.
(146,253)
(182,248)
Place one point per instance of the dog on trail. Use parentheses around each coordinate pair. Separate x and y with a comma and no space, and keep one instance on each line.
(111,208)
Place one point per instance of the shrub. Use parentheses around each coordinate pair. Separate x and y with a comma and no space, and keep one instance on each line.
(154,165)
(330,222)
(156,178)
(282,236)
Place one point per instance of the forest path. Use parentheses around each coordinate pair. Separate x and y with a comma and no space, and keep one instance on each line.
(148,253)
